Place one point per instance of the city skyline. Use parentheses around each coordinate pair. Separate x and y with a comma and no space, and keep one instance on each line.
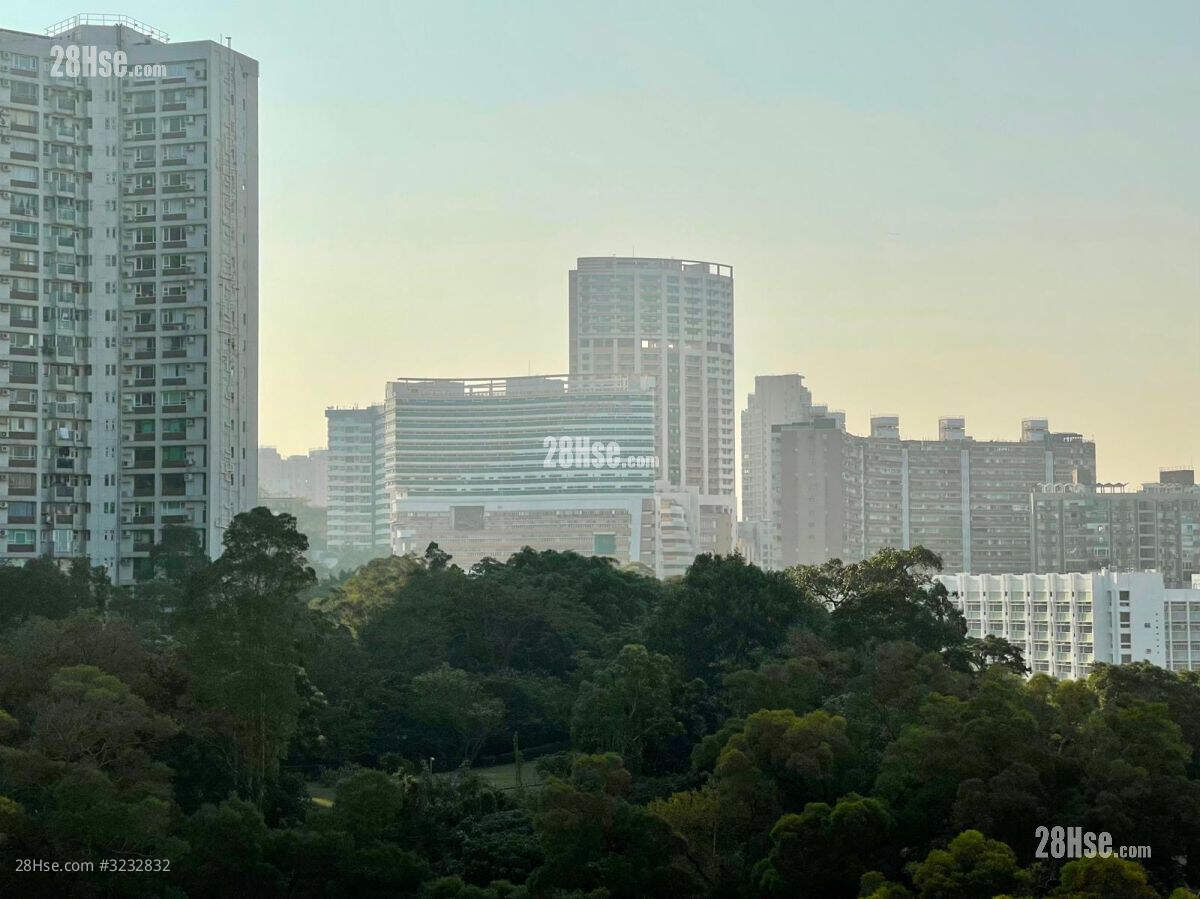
(917,206)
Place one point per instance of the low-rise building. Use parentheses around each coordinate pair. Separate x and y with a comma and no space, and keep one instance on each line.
(1066,623)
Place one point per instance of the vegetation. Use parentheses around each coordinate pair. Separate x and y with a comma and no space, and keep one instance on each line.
(825,731)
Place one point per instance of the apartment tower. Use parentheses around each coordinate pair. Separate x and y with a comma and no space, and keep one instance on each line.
(671,320)
(128,293)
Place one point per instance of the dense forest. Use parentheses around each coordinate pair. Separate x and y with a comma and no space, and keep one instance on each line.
(556,726)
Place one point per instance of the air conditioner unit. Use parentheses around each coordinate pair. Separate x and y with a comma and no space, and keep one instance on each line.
(3,504)
(3,435)
(3,533)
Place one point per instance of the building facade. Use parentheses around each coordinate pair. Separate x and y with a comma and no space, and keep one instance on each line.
(304,477)
(128,294)
(354,478)
(1066,623)
(484,467)
(671,320)
(776,400)
(838,495)
(1084,527)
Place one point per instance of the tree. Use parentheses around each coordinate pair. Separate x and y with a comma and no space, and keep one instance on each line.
(1104,877)
(594,839)
(626,705)
(796,684)
(825,850)
(40,588)
(802,756)
(725,614)
(890,596)
(93,718)
(226,851)
(971,867)
(371,588)
(451,700)
(240,624)
(976,654)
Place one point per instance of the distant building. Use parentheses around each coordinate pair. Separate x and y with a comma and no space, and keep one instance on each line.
(303,477)
(1066,623)
(670,320)
(357,509)
(1084,527)
(484,467)
(838,495)
(776,400)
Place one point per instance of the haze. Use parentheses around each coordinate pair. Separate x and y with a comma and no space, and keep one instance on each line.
(966,217)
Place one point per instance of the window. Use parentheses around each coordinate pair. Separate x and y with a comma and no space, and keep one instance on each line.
(604,544)
(20,537)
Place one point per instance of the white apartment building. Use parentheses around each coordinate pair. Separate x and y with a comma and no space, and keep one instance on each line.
(128,294)
(671,320)
(1065,623)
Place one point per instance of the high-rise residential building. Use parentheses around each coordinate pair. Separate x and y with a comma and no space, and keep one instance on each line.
(1085,526)
(128,293)
(840,495)
(1066,623)
(671,320)
(776,400)
(304,477)
(355,482)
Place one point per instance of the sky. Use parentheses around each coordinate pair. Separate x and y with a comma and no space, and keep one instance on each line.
(931,208)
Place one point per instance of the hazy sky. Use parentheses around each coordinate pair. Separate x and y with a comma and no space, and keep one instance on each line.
(985,209)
